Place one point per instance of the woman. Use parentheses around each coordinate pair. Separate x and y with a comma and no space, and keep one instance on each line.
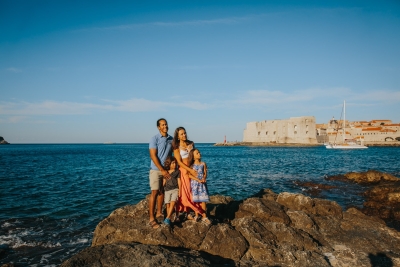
(182,146)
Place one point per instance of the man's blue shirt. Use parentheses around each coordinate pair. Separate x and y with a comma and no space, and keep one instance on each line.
(163,146)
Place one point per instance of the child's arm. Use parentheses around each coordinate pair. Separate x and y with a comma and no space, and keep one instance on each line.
(205,173)
(194,178)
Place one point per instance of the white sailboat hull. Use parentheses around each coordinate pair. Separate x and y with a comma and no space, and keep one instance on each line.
(349,143)
(345,146)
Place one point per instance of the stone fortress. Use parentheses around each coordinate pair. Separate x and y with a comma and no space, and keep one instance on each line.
(304,130)
(294,130)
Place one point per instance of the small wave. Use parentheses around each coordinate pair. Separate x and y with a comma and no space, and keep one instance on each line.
(14,241)
(80,241)
(6,224)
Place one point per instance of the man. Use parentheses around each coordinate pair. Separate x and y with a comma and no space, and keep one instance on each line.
(160,147)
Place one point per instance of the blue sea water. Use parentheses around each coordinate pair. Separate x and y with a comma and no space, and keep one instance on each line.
(54,195)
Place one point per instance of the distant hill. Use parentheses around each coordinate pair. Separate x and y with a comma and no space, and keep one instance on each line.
(3,142)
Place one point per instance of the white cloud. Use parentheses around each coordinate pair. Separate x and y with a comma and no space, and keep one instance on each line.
(13,69)
(199,22)
(74,108)
(308,99)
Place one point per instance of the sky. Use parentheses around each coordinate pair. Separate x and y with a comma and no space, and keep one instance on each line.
(105,71)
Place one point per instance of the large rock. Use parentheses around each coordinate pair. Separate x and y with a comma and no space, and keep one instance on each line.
(3,142)
(267,229)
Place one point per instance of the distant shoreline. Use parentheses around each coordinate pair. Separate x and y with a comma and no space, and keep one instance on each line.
(266,144)
(230,144)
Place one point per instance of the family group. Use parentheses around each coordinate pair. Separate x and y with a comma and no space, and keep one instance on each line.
(177,177)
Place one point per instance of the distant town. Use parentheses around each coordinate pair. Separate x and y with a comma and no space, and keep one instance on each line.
(304,130)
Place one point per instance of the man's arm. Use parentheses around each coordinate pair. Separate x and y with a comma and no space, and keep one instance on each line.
(154,158)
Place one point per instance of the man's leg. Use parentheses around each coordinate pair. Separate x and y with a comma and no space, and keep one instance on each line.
(160,201)
(154,186)
(160,198)
(152,204)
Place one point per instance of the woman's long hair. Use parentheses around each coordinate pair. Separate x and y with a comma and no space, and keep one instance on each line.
(175,141)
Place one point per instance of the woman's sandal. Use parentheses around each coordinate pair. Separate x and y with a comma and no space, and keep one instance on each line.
(154,224)
(206,221)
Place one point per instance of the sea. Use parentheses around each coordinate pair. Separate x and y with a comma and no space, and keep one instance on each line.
(52,196)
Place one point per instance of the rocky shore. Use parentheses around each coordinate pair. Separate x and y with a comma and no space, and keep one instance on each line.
(267,229)
(3,142)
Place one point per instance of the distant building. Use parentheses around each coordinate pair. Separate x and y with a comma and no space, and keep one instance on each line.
(296,130)
(368,132)
(304,130)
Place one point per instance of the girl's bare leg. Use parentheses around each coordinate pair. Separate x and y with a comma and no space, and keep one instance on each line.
(204,207)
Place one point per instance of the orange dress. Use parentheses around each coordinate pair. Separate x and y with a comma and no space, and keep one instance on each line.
(185,201)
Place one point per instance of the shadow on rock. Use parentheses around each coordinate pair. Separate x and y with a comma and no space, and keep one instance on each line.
(134,254)
(380,260)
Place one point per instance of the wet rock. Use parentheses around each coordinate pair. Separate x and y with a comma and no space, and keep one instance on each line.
(383,199)
(266,229)
(369,177)
(314,189)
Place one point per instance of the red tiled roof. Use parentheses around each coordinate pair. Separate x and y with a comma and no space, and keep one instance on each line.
(372,129)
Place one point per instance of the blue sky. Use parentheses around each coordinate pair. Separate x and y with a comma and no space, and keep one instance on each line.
(100,71)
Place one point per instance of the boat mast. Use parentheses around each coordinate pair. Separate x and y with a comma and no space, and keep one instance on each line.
(344,120)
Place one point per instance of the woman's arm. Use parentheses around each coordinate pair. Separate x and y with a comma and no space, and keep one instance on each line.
(194,178)
(177,155)
(179,186)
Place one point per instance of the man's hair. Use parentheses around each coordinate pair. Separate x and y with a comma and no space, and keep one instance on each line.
(158,121)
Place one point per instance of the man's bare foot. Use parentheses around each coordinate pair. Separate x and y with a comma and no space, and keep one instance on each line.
(154,224)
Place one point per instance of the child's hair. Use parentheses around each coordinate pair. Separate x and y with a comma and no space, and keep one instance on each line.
(168,161)
(191,157)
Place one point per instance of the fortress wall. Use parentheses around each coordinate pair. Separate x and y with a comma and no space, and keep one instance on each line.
(294,130)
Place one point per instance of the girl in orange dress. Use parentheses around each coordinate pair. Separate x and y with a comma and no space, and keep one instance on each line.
(182,146)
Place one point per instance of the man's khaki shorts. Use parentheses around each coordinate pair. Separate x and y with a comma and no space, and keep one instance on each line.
(156,179)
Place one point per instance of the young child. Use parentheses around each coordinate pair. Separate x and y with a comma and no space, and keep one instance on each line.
(198,184)
(171,187)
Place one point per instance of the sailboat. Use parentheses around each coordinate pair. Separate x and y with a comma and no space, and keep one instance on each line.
(347,143)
